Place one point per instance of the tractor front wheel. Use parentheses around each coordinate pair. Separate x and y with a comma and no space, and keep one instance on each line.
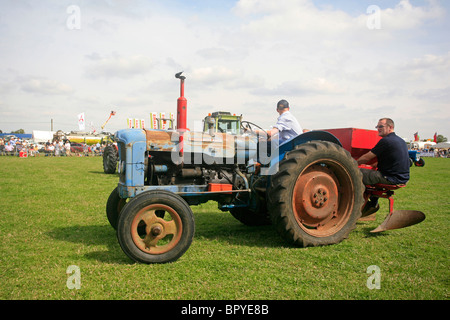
(156,227)
(317,194)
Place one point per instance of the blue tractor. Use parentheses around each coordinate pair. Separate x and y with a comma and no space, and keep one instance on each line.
(415,159)
(310,188)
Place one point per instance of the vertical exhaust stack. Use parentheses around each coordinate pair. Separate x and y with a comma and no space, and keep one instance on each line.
(181,111)
(181,104)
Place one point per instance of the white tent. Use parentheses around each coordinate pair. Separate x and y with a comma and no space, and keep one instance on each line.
(42,136)
(442,145)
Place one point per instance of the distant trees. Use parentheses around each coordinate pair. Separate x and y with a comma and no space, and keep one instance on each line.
(441,138)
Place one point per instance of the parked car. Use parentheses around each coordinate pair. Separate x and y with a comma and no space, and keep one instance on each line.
(76,147)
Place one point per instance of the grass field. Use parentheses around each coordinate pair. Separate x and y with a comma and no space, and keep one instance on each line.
(52,213)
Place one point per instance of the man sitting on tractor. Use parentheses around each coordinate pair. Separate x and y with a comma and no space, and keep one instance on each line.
(286,127)
(393,161)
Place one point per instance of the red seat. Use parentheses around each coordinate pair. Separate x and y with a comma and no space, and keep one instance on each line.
(380,186)
(383,191)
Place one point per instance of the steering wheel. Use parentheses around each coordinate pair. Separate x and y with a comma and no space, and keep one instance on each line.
(249,125)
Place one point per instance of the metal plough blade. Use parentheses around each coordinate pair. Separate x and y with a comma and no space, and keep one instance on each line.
(400,219)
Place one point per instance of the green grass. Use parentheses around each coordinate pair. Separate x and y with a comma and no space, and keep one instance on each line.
(52,216)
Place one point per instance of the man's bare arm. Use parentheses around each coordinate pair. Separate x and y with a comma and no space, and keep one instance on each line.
(366,157)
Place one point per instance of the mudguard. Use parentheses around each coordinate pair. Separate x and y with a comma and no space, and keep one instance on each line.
(292,143)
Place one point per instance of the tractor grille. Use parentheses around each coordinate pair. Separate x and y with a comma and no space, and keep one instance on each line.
(122,162)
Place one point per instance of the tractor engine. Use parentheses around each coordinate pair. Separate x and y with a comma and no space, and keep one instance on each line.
(214,162)
(187,162)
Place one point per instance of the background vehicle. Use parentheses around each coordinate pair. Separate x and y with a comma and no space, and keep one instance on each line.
(414,157)
(110,154)
(76,147)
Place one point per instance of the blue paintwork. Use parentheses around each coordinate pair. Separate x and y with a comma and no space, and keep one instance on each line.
(414,155)
(134,141)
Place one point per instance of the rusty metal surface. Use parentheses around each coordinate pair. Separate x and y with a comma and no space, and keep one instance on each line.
(222,145)
(161,234)
(160,140)
(400,219)
(320,204)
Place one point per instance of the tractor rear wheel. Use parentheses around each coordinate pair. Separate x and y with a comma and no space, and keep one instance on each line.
(156,227)
(317,194)
(114,206)
(260,217)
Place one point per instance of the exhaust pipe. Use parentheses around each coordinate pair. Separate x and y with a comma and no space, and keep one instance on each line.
(181,105)
(181,112)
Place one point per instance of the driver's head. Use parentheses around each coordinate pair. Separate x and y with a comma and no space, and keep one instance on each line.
(282,106)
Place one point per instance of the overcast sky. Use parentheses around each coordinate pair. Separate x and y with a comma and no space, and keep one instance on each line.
(339,63)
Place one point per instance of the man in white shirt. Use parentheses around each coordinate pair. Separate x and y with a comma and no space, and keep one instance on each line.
(287,125)
(67,147)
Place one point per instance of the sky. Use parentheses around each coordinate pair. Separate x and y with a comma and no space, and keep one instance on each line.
(340,64)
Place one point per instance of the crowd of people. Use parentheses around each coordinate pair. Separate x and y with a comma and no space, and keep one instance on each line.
(56,148)
(434,153)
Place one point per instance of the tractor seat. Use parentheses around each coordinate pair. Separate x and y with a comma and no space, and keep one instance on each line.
(383,191)
(385,187)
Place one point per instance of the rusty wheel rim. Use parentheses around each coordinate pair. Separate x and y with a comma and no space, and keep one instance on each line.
(155,232)
(322,198)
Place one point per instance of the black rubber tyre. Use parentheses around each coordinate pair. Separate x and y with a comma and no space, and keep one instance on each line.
(420,163)
(252,218)
(317,195)
(148,235)
(114,206)
(110,159)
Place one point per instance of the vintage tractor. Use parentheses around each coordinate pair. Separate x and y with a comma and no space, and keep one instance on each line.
(310,188)
(415,159)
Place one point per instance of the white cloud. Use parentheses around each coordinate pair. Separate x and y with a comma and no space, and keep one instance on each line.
(283,19)
(117,66)
(405,16)
(213,75)
(215,53)
(304,25)
(314,86)
(429,63)
(45,86)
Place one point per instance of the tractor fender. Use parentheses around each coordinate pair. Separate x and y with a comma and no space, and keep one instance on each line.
(298,140)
